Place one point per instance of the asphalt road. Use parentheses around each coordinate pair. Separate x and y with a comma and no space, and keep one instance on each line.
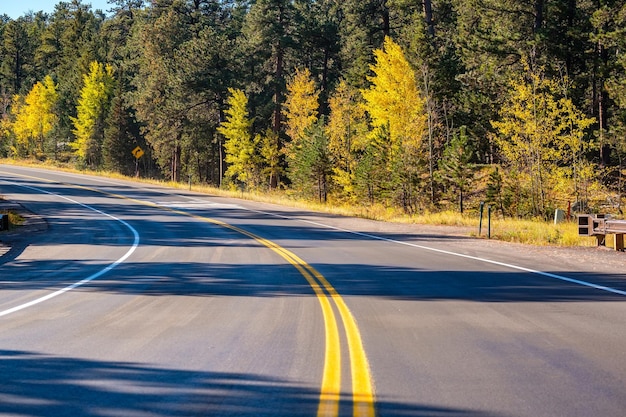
(146,301)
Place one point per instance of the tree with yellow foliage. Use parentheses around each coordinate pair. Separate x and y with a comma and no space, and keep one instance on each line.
(399,121)
(300,110)
(394,99)
(540,134)
(92,109)
(301,107)
(271,158)
(347,137)
(240,147)
(34,117)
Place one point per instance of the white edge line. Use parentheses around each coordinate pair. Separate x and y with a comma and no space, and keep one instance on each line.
(460,255)
(89,278)
(475,258)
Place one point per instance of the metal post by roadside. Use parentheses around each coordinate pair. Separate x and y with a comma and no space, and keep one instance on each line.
(489,222)
(480,222)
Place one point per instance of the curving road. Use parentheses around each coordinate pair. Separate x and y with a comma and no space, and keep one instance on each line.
(146,301)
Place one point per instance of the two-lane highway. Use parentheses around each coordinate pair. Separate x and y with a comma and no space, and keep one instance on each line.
(141,300)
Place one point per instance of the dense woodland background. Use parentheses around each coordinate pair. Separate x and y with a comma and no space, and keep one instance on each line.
(399,103)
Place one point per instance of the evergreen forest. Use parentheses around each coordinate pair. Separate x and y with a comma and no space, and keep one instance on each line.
(416,105)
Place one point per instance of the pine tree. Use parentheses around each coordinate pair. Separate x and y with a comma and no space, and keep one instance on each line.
(16,66)
(310,167)
(269,31)
(121,135)
(455,167)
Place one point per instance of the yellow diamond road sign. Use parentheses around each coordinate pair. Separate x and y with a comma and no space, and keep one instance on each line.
(137,152)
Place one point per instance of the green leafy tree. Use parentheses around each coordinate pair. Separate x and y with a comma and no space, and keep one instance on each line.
(363,28)
(609,23)
(318,46)
(181,75)
(374,173)
(490,38)
(159,92)
(92,110)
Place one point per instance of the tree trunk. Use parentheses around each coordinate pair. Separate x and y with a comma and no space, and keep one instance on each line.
(176,163)
(539,5)
(278,74)
(385,16)
(428,17)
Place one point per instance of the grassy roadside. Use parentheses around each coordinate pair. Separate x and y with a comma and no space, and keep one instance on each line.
(534,232)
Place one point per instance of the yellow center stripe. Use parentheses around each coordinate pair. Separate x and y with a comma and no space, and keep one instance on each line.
(330,394)
(362,388)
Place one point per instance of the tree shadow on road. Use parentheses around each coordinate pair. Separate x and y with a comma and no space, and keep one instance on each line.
(44,385)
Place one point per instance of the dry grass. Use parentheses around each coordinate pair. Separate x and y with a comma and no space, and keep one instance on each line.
(539,233)
(533,232)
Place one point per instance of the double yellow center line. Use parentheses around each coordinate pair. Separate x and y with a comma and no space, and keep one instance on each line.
(362,387)
(330,393)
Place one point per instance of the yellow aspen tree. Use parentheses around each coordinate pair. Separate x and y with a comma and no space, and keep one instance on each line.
(239,146)
(92,109)
(5,134)
(398,115)
(22,145)
(347,131)
(34,116)
(300,107)
(394,99)
(539,133)
(271,154)
(301,110)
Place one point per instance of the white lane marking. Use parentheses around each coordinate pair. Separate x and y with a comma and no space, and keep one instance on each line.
(90,277)
(460,255)
(195,204)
